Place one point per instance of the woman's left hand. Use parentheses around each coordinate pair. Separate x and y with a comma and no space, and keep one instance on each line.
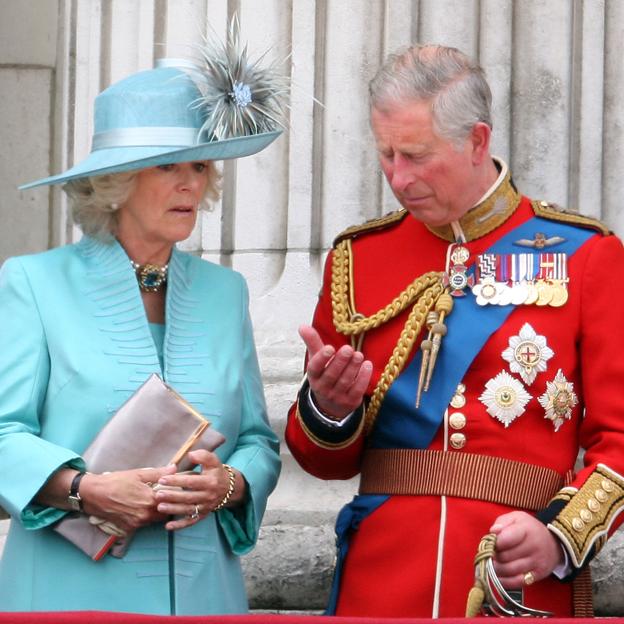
(192,496)
(526,551)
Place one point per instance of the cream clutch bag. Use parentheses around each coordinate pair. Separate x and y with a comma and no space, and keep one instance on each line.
(154,427)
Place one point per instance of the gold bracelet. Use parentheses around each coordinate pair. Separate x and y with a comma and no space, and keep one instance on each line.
(230,491)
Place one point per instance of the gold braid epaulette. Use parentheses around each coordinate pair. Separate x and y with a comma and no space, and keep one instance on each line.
(424,291)
(371,226)
(554,212)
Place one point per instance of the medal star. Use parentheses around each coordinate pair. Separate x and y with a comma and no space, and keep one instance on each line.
(487,291)
(558,400)
(504,398)
(527,354)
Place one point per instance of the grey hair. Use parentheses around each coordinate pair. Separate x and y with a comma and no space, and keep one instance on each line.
(95,201)
(454,84)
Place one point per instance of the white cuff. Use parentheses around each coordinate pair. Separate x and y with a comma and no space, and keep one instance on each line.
(338,424)
(563,569)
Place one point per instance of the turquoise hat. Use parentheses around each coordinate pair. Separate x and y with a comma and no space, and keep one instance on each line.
(171,114)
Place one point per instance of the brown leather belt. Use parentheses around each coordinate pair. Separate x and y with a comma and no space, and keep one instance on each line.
(419,472)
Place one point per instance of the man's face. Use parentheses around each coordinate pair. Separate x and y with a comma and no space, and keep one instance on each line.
(433,179)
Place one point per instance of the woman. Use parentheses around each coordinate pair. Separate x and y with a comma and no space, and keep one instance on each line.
(84,325)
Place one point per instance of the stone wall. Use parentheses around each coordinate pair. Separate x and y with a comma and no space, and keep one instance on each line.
(558,83)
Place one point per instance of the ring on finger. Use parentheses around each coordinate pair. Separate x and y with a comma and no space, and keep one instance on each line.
(528,578)
(195,513)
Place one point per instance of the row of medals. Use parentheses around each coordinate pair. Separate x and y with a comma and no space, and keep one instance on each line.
(541,291)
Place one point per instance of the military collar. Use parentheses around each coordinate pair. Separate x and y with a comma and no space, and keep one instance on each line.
(494,208)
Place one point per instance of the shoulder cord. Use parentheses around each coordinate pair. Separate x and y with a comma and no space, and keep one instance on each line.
(425,290)
(343,305)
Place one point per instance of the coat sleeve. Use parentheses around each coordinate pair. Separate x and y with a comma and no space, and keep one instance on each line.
(256,454)
(26,460)
(323,451)
(586,512)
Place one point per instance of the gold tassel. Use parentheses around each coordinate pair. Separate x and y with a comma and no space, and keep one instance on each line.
(475,600)
(443,307)
(425,346)
(476,595)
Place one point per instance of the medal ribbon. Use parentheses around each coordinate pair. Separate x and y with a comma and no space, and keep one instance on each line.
(561,267)
(503,272)
(486,266)
(546,266)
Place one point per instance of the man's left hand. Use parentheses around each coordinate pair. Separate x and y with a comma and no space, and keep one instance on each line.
(523,545)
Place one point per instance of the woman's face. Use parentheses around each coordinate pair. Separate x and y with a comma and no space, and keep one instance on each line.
(162,207)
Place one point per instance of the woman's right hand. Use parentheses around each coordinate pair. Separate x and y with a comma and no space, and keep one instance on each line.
(124,497)
(338,379)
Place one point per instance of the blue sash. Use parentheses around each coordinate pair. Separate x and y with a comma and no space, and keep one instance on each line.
(399,424)
(348,521)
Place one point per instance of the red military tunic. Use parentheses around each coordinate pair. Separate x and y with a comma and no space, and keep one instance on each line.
(413,555)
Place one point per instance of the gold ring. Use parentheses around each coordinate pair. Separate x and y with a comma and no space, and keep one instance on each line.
(528,578)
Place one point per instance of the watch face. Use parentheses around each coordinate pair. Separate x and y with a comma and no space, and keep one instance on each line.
(75,502)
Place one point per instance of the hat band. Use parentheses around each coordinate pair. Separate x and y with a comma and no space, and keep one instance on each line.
(146,136)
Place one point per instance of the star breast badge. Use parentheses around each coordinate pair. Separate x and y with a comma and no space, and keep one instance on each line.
(527,354)
(505,398)
(558,400)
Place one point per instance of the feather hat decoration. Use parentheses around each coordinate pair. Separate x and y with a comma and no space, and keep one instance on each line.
(242,97)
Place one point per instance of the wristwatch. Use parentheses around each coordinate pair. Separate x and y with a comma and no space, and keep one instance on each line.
(74,495)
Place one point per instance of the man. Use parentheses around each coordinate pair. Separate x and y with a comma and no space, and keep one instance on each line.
(463,349)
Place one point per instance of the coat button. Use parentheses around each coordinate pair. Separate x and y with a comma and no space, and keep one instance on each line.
(458,401)
(458,440)
(607,486)
(457,420)
(578,524)
(593,505)
(601,495)
(586,515)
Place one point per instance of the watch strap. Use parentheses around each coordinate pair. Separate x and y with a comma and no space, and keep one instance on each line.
(74,495)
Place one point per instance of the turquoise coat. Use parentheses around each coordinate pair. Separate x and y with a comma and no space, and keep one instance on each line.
(74,345)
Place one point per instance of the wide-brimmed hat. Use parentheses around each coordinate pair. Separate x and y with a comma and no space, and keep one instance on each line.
(180,112)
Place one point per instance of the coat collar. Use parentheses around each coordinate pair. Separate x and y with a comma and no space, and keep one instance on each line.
(117,306)
(106,258)
(494,208)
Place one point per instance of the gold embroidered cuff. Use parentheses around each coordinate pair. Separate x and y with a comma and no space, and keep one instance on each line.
(583,524)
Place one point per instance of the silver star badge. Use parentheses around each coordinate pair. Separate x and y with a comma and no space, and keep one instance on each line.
(558,400)
(527,354)
(504,398)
